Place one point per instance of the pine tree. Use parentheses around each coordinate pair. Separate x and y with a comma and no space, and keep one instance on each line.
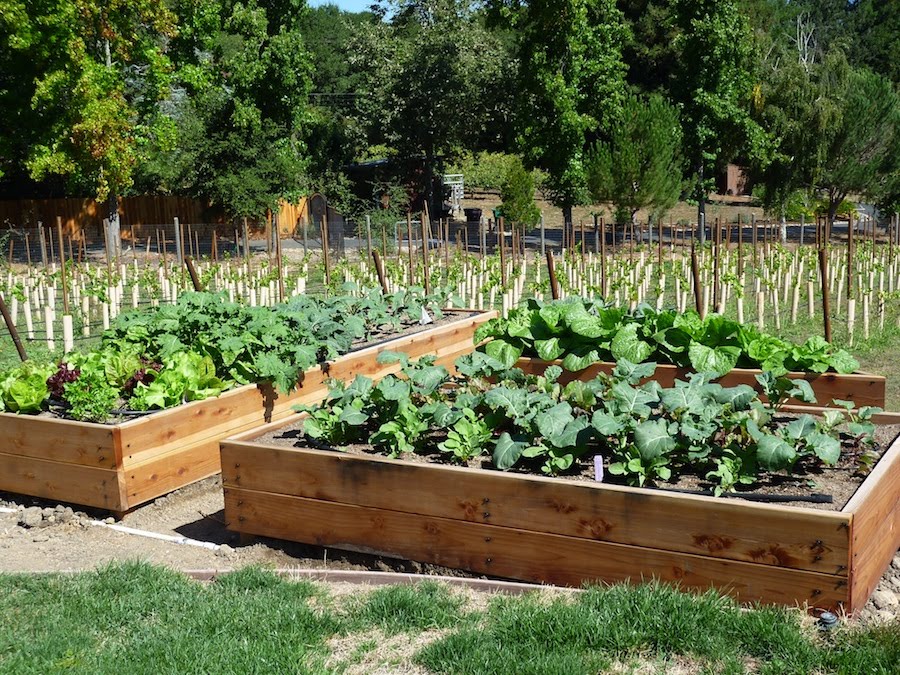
(640,166)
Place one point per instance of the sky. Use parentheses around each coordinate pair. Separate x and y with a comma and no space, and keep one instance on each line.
(347,5)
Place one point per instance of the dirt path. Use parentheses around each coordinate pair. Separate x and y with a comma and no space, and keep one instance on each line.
(41,536)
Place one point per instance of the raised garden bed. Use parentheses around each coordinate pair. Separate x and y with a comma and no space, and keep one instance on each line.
(861,388)
(568,532)
(586,337)
(119,466)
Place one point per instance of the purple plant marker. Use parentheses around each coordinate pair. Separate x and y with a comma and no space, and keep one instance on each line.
(598,468)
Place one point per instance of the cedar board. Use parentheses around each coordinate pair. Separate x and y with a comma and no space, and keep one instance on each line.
(120,466)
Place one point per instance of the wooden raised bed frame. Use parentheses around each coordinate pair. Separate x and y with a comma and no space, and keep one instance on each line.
(119,466)
(861,388)
(566,532)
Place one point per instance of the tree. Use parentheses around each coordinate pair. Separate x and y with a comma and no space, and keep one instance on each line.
(517,194)
(855,151)
(713,87)
(640,165)
(92,76)
(572,86)
(877,25)
(835,128)
(429,78)
(242,110)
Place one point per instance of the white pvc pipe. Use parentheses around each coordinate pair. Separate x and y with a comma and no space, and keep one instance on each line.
(173,539)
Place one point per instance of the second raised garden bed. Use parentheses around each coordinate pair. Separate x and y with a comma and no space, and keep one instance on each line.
(119,466)
(863,389)
(567,532)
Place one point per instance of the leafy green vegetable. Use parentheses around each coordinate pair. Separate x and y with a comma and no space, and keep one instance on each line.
(24,388)
(583,332)
(647,433)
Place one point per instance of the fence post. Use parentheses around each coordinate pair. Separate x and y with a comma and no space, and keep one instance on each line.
(43,244)
(179,245)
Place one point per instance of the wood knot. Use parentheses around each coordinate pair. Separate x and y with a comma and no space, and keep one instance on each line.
(561,507)
(597,528)
(713,542)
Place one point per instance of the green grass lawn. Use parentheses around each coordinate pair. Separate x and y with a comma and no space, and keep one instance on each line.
(136,618)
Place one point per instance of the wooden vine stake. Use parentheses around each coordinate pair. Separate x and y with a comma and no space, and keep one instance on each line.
(195,280)
(379,270)
(11,326)
(695,273)
(412,263)
(603,259)
(551,271)
(68,333)
(325,248)
(502,236)
(425,244)
(279,262)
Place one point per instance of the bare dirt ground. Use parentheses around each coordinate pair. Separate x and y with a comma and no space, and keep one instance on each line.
(42,536)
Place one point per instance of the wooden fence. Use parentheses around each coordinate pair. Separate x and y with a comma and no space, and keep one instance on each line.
(140,216)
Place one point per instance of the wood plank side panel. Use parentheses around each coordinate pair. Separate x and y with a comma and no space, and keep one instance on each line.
(59,481)
(171,471)
(875,527)
(862,388)
(719,528)
(159,433)
(516,554)
(67,441)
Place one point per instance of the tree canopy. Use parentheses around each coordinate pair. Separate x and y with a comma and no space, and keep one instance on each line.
(248,102)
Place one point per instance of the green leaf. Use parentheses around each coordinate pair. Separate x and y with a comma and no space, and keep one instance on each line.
(633,372)
(628,346)
(441,413)
(575,434)
(506,353)
(801,427)
(579,394)
(393,389)
(739,397)
(842,362)
(774,454)
(353,416)
(652,439)
(630,400)
(605,424)
(549,350)
(554,420)
(718,360)
(575,361)
(507,452)
(584,324)
(841,403)
(802,391)
(393,357)
(825,447)
(512,401)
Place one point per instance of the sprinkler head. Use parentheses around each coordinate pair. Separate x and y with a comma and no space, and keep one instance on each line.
(827,621)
